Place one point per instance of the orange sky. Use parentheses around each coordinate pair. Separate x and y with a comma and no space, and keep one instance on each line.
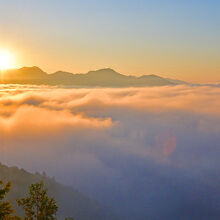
(173,40)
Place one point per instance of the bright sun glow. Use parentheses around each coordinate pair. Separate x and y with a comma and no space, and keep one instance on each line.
(6,60)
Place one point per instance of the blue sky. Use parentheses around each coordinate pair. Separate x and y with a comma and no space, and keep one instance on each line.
(170,38)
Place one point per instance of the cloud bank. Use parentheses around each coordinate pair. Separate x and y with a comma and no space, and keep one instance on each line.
(136,150)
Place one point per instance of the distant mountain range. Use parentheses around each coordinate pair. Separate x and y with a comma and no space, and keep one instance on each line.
(99,78)
(71,202)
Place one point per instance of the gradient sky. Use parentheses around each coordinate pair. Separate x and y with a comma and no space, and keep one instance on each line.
(178,39)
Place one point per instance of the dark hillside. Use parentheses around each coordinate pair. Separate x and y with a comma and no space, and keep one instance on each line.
(71,202)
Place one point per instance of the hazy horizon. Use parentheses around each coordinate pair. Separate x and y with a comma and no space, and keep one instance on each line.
(109,68)
(171,39)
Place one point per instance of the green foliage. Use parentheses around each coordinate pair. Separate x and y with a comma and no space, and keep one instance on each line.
(38,205)
(5,206)
(12,218)
(71,202)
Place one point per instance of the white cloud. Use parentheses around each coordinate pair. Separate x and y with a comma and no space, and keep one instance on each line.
(105,141)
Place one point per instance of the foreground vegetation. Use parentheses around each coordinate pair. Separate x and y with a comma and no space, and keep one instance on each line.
(70,201)
(37,205)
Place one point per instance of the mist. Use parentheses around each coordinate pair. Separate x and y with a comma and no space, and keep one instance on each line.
(135,150)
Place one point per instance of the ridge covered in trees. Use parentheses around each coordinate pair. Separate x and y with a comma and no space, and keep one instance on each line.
(16,182)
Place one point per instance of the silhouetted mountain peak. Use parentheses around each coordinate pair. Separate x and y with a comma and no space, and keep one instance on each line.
(106,77)
(108,71)
(61,74)
(31,69)
(150,76)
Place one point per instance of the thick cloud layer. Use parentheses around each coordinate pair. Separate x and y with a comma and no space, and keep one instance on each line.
(145,152)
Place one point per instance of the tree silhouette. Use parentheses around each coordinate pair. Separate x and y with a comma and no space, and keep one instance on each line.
(5,206)
(38,205)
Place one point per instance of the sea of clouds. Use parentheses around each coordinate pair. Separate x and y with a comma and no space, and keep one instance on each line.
(146,153)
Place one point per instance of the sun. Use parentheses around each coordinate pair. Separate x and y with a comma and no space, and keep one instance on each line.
(6,60)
